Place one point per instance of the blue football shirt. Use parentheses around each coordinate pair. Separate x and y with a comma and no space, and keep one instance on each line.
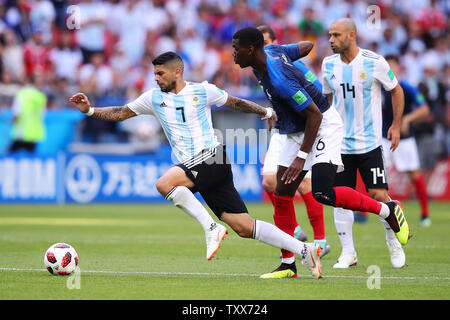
(413,100)
(288,89)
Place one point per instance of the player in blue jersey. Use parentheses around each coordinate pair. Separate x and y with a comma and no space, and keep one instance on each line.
(313,130)
(314,209)
(406,157)
(184,111)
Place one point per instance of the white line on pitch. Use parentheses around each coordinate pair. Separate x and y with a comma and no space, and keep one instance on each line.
(220,274)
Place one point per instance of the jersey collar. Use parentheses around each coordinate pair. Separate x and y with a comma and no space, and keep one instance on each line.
(354,59)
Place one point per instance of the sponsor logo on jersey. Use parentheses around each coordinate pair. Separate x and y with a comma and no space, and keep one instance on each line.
(299,97)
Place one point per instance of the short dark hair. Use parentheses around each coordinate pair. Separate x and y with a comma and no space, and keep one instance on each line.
(166,57)
(392,57)
(250,36)
(264,28)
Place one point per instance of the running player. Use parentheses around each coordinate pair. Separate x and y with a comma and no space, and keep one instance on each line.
(406,156)
(352,80)
(183,109)
(313,130)
(314,209)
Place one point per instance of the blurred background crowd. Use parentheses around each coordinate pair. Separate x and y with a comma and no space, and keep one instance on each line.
(105,48)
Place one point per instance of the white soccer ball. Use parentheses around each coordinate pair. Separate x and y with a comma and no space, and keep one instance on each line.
(61,259)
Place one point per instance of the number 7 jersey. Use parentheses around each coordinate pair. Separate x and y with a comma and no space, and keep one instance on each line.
(356,89)
(185,117)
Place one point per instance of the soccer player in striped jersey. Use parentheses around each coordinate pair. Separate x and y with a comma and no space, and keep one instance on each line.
(314,209)
(352,80)
(184,111)
(313,129)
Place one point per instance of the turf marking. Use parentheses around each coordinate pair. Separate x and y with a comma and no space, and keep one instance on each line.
(222,274)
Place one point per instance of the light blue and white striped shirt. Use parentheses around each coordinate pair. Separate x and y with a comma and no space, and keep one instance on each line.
(356,89)
(185,117)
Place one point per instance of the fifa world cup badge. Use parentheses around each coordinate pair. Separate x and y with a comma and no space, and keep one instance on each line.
(363,75)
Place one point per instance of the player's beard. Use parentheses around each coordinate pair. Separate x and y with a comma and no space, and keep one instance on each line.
(169,87)
(342,47)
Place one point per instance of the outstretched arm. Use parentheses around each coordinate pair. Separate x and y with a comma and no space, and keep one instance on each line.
(247,106)
(81,101)
(304,48)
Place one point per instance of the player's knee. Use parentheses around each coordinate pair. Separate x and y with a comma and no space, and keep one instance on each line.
(379,195)
(305,186)
(269,184)
(163,186)
(243,228)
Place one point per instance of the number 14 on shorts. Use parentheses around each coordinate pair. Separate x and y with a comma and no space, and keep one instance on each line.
(378,173)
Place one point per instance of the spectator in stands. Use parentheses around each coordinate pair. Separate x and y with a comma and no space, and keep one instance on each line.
(91,35)
(37,56)
(141,76)
(13,56)
(66,57)
(237,20)
(96,77)
(430,133)
(413,59)
(388,45)
(130,26)
(62,90)
(310,29)
(42,16)
(60,13)
(8,90)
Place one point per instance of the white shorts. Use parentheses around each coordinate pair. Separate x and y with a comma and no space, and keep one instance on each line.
(273,153)
(271,158)
(405,158)
(326,147)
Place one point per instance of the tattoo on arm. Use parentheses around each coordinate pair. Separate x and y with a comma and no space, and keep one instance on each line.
(113,113)
(246,106)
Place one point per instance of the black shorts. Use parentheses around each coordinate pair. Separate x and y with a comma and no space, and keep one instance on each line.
(370,166)
(210,171)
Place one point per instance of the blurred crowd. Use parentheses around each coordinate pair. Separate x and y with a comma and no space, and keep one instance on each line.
(105,48)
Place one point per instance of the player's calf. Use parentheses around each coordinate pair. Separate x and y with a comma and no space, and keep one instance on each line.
(241,223)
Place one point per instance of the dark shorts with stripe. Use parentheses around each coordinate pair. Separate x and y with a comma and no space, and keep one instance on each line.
(370,166)
(210,171)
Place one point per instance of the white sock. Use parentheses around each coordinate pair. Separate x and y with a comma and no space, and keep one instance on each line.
(288,260)
(390,234)
(184,199)
(385,211)
(343,220)
(270,234)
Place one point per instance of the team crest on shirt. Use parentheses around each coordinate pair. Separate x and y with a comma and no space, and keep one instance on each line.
(195,99)
(363,75)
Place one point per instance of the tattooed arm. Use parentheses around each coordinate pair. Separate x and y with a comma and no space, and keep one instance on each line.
(247,106)
(81,101)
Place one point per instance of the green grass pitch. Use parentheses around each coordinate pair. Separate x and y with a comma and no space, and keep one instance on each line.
(157,252)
